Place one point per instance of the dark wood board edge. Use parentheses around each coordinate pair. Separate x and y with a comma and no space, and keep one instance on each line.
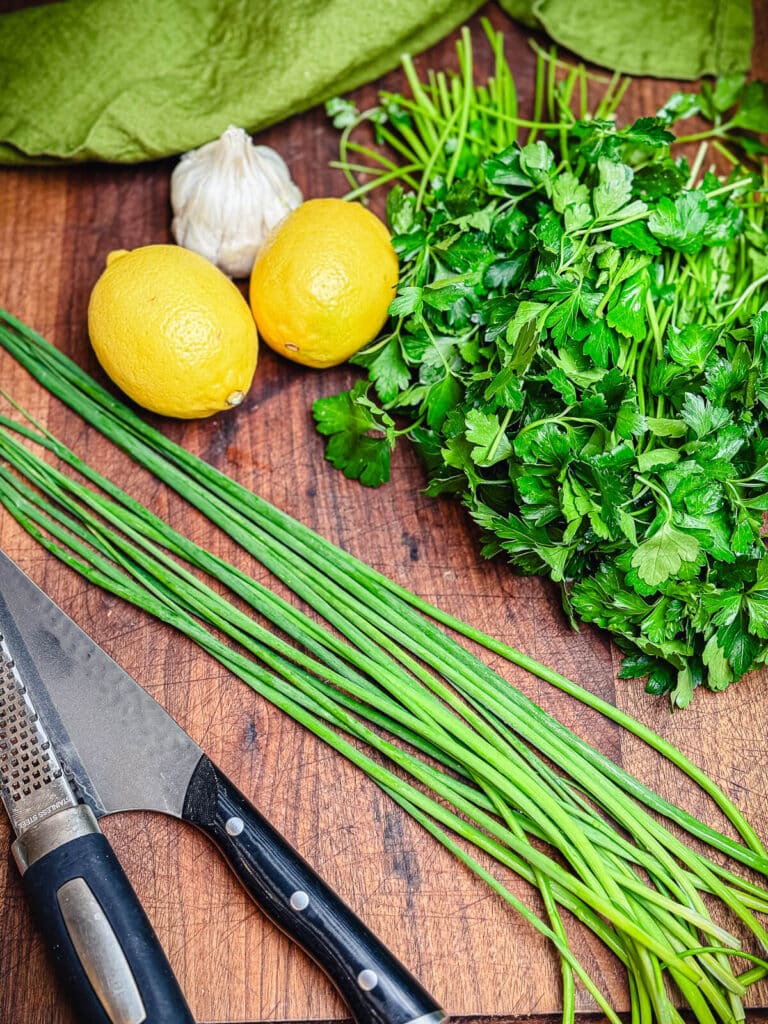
(753,1017)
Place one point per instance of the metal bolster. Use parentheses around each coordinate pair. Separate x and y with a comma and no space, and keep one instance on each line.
(100,953)
(52,832)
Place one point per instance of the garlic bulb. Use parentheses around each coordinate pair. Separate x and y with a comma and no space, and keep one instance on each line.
(226,196)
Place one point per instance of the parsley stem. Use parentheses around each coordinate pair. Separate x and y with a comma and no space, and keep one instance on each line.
(603,108)
(701,153)
(346,145)
(566,116)
(658,350)
(611,225)
(465,59)
(436,154)
(661,494)
(550,55)
(583,92)
(616,280)
(518,122)
(505,107)
(423,107)
(500,434)
(399,173)
(717,131)
(731,186)
(551,83)
(419,93)
(741,299)
(538,95)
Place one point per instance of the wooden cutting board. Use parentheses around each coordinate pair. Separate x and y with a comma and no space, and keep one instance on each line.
(473,952)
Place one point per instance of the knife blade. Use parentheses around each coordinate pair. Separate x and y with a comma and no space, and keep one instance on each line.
(117,749)
(102,942)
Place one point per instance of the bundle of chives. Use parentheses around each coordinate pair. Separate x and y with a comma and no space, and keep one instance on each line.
(630,880)
(282,544)
(115,534)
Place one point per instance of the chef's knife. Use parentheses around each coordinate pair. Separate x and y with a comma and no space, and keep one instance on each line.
(79,738)
(104,946)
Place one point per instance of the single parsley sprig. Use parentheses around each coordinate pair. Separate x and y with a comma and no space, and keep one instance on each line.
(578,350)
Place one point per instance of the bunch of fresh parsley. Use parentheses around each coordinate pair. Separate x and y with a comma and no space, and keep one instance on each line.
(578,350)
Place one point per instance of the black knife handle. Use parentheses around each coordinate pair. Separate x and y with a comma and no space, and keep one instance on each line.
(107,955)
(377,988)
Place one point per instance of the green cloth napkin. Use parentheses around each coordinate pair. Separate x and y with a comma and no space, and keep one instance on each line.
(132,80)
(663,38)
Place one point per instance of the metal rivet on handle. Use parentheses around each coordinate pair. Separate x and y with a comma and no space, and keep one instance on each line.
(234,826)
(299,900)
(367,980)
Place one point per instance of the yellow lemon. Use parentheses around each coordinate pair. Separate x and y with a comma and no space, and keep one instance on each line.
(172,331)
(322,282)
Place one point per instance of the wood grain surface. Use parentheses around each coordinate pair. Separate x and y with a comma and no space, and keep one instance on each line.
(472,951)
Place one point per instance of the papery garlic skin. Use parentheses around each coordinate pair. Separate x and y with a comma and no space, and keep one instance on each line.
(227,196)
